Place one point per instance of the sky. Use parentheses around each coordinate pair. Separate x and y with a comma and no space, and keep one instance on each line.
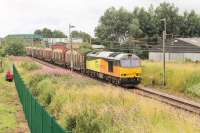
(24,16)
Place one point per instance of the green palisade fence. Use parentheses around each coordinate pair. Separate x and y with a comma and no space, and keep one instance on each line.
(39,120)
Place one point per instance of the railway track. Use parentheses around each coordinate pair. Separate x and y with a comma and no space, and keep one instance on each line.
(169,99)
(172,100)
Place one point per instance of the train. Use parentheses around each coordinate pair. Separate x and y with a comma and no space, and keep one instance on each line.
(116,67)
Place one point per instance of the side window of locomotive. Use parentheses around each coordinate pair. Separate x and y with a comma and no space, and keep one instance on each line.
(116,63)
(110,66)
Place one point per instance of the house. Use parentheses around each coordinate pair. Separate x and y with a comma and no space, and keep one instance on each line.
(178,49)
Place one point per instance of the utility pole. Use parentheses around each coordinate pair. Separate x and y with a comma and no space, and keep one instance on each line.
(32,46)
(71,48)
(164,38)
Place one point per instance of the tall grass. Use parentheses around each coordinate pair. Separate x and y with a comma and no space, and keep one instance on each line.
(29,65)
(87,106)
(181,77)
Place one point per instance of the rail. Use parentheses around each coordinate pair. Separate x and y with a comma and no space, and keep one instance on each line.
(175,101)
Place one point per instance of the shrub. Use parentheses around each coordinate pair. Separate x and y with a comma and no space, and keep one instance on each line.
(45,91)
(32,84)
(86,121)
(15,46)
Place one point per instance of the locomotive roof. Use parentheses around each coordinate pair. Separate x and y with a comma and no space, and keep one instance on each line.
(112,55)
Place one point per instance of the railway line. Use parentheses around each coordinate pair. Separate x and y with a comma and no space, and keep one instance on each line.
(169,99)
(178,102)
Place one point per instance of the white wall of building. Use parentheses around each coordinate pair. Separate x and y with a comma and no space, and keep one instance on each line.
(62,40)
(158,56)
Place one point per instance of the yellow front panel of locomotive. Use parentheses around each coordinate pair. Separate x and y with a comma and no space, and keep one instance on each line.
(130,72)
(93,65)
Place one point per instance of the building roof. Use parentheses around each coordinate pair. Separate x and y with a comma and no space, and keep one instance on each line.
(179,45)
(25,36)
(194,41)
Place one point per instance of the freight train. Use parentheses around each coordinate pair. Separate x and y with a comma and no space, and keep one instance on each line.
(115,67)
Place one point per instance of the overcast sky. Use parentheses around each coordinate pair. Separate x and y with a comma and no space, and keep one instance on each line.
(24,16)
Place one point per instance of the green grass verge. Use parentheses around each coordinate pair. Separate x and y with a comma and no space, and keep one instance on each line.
(8,109)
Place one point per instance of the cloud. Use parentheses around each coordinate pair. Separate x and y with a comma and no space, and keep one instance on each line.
(24,16)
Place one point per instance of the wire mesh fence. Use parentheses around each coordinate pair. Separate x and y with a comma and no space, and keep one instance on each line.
(39,120)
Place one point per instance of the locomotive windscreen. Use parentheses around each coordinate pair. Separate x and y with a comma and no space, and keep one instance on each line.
(128,63)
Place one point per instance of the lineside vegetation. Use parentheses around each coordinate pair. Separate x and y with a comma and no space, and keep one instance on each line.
(181,77)
(85,105)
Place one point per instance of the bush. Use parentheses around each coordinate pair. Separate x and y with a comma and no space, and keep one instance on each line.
(32,84)
(87,121)
(46,91)
(15,47)
(193,85)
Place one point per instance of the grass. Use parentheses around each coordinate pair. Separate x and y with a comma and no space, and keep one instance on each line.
(29,66)
(8,120)
(180,77)
(87,106)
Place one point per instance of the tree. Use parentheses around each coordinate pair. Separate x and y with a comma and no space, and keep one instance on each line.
(134,27)
(58,34)
(170,12)
(190,24)
(38,32)
(79,34)
(47,33)
(15,46)
(147,22)
(114,25)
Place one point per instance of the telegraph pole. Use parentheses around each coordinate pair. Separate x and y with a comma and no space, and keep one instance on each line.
(164,38)
(71,48)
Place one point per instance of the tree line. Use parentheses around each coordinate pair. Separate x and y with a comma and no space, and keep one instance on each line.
(121,25)
(48,33)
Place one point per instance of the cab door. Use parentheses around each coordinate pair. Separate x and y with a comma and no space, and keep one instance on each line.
(110,66)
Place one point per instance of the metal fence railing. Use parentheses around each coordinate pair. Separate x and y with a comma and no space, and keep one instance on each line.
(38,119)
